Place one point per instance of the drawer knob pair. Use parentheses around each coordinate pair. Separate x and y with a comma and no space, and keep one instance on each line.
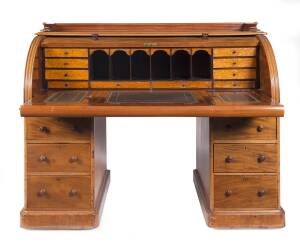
(42,192)
(260,193)
(73,193)
(261,158)
(44,129)
(228,159)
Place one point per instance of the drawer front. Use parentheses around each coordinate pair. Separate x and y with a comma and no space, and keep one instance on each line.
(235,74)
(58,130)
(58,158)
(66,63)
(234,62)
(67,74)
(245,191)
(262,128)
(58,192)
(68,84)
(234,84)
(65,52)
(235,52)
(245,158)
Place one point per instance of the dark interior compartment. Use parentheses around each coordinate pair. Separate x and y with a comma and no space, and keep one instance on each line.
(201,65)
(160,65)
(181,62)
(140,65)
(120,63)
(99,68)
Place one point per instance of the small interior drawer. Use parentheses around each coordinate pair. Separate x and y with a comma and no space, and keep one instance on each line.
(234,62)
(234,74)
(65,52)
(68,84)
(60,130)
(66,74)
(66,63)
(245,191)
(58,158)
(234,52)
(58,192)
(245,158)
(261,128)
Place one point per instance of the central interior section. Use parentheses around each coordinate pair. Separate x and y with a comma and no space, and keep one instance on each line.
(146,64)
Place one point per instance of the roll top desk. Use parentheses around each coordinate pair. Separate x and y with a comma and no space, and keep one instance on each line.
(224,74)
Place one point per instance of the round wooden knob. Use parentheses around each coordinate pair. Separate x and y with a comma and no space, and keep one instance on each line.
(234,52)
(260,128)
(234,74)
(44,129)
(228,193)
(74,159)
(66,63)
(261,158)
(42,192)
(66,53)
(73,193)
(233,63)
(43,158)
(66,74)
(228,159)
(261,193)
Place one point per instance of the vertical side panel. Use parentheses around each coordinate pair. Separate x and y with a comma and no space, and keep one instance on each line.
(99,154)
(203,154)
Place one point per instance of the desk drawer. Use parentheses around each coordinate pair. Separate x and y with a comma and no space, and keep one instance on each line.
(66,63)
(58,158)
(245,191)
(234,52)
(234,62)
(245,158)
(58,130)
(58,192)
(66,75)
(65,52)
(262,128)
(234,73)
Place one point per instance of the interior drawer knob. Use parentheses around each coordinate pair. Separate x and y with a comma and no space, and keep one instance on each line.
(260,128)
(44,129)
(42,192)
(228,159)
(228,193)
(43,158)
(234,52)
(66,63)
(66,52)
(74,159)
(66,75)
(73,193)
(261,158)
(234,63)
(261,193)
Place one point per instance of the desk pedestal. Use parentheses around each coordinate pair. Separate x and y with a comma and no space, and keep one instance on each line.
(237,175)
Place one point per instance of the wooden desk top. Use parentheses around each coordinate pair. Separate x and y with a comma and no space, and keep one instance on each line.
(210,103)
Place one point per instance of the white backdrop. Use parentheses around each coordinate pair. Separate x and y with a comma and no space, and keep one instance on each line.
(151,202)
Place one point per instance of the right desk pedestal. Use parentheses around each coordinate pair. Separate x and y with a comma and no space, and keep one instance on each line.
(237,176)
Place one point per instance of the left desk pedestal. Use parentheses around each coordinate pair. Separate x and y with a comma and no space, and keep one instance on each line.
(66,178)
